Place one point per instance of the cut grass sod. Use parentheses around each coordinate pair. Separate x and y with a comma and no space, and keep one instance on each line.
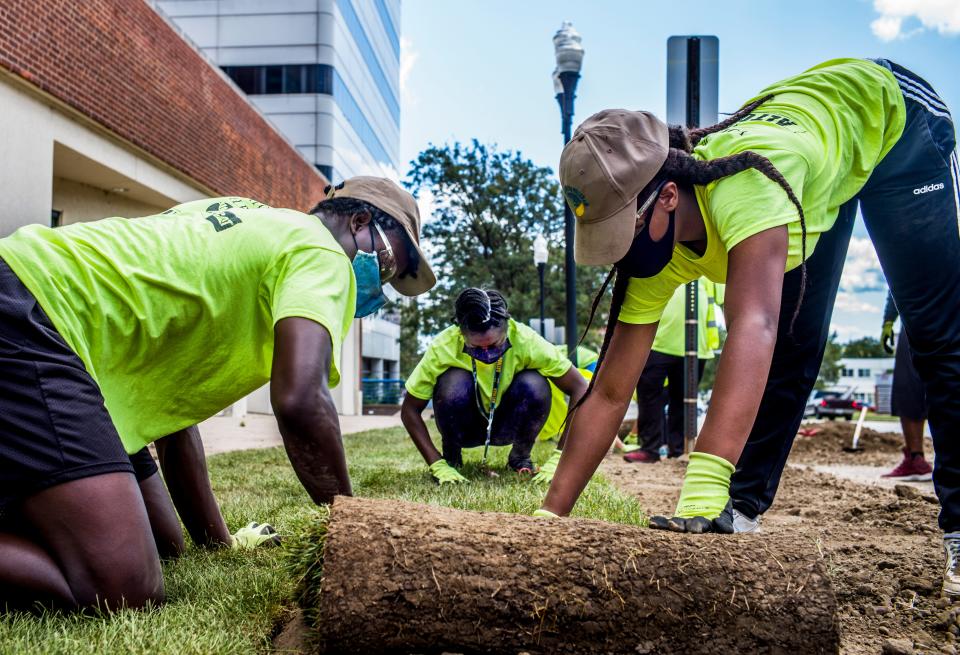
(232,602)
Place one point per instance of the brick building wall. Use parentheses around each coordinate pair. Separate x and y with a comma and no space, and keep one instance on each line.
(121,65)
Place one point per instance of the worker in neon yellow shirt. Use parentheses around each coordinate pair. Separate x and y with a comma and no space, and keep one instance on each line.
(488,377)
(765,202)
(666,364)
(118,333)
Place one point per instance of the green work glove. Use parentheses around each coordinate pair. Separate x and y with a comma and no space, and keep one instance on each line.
(545,514)
(254,535)
(545,476)
(704,496)
(443,473)
(886,336)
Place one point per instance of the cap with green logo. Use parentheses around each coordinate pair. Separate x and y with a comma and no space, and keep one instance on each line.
(612,156)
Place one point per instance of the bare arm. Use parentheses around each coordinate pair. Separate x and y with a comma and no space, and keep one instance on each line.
(752,310)
(185,471)
(594,425)
(304,409)
(411,413)
(574,385)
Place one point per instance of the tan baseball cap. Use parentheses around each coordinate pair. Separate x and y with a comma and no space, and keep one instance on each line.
(612,156)
(388,197)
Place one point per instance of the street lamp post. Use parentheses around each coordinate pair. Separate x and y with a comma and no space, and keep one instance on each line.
(540,254)
(569,54)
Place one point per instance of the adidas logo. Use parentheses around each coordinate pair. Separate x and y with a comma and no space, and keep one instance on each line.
(928,188)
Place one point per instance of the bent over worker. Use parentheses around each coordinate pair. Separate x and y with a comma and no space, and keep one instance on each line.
(765,201)
(118,333)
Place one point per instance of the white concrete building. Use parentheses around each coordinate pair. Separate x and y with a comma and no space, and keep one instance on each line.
(861,375)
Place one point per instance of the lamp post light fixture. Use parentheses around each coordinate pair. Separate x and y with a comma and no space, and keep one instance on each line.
(540,254)
(569,54)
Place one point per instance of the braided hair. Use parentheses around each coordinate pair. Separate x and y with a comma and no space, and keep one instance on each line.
(681,167)
(478,310)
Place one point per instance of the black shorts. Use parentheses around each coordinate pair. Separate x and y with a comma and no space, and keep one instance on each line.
(54,427)
(907,397)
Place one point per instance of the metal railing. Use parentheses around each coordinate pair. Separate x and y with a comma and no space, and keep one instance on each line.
(377,391)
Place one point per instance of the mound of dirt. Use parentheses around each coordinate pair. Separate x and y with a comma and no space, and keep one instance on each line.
(827,441)
(401,577)
(882,547)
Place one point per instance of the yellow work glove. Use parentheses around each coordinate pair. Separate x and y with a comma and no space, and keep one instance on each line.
(443,473)
(545,514)
(886,336)
(545,475)
(255,535)
(703,497)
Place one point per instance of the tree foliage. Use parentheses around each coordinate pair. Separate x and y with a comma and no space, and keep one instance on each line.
(830,366)
(864,347)
(488,205)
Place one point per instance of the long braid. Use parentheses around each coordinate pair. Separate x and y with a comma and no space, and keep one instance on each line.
(616,302)
(698,133)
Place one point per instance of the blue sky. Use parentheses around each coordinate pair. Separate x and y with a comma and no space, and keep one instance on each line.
(483,69)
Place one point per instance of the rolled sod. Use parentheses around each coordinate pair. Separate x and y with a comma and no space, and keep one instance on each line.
(400,577)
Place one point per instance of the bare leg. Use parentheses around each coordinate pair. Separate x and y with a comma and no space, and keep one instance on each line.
(93,547)
(29,575)
(912,434)
(164,523)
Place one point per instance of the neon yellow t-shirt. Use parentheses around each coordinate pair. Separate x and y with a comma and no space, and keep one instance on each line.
(671,336)
(825,131)
(173,314)
(528,350)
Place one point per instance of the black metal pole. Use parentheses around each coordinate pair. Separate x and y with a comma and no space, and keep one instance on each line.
(543,327)
(569,81)
(691,372)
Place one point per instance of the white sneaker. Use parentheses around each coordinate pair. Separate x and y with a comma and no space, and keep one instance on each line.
(951,572)
(743,523)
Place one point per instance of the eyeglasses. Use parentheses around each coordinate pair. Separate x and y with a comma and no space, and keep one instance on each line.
(648,203)
(385,258)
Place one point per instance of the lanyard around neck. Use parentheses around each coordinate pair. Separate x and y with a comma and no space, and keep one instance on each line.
(498,369)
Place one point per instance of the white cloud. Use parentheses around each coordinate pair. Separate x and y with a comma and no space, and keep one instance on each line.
(861,271)
(940,15)
(851,302)
(846,332)
(408,58)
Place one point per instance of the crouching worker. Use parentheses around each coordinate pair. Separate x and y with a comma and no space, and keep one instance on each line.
(485,367)
(118,333)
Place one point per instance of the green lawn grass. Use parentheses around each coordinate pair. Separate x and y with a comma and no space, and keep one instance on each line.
(231,602)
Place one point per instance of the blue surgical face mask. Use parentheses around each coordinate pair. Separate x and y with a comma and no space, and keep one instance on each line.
(366,268)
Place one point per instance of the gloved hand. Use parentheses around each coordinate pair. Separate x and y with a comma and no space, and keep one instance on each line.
(886,336)
(545,514)
(545,476)
(254,535)
(703,498)
(443,473)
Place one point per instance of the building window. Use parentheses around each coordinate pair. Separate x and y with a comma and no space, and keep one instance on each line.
(327,171)
(366,51)
(388,27)
(846,373)
(56,218)
(286,78)
(863,372)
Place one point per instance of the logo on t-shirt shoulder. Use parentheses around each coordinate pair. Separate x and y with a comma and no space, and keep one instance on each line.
(763,117)
(222,220)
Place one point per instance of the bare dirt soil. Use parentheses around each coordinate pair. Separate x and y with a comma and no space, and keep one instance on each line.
(882,546)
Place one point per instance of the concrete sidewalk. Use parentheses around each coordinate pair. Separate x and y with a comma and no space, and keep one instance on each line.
(223,434)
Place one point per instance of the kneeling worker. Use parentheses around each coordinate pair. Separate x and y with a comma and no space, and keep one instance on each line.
(485,366)
(118,333)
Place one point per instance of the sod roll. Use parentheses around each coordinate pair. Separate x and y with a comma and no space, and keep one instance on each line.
(406,578)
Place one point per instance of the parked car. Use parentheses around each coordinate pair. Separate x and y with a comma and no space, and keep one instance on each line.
(831,404)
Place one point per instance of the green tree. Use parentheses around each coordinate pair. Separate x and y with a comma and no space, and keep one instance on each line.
(489,204)
(830,366)
(864,347)
(709,377)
